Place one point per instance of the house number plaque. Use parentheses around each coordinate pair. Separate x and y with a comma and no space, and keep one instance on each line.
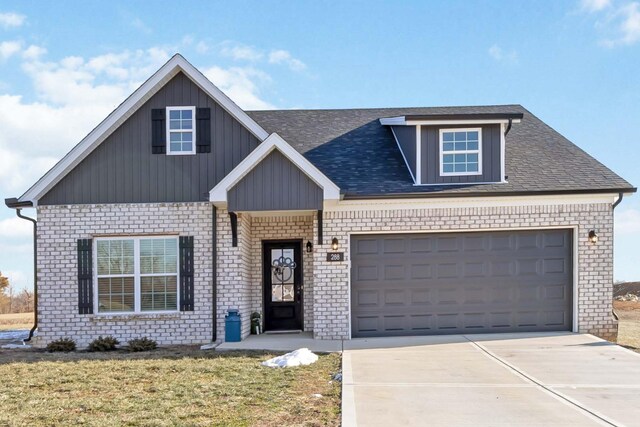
(335,256)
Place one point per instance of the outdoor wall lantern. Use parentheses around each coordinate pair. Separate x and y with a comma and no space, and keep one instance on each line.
(334,244)
(309,247)
(593,236)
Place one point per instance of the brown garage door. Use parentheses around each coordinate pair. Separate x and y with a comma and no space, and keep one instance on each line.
(450,283)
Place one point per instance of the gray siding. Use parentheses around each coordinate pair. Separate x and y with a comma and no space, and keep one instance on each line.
(123,170)
(431,156)
(406,136)
(275,184)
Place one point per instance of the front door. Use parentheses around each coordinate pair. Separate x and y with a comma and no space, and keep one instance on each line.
(282,263)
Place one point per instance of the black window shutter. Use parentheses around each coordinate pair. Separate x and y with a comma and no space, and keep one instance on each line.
(186,273)
(203,130)
(158,131)
(85,276)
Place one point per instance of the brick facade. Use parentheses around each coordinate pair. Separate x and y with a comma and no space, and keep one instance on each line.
(595,261)
(59,227)
(239,282)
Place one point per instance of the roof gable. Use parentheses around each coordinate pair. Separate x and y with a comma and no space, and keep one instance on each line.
(125,110)
(219,194)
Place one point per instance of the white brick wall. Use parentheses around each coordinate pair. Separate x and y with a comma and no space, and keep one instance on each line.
(239,284)
(59,227)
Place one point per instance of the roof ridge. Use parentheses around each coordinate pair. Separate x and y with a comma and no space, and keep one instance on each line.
(384,108)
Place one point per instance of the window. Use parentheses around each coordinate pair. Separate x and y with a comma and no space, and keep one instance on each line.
(460,151)
(181,131)
(137,274)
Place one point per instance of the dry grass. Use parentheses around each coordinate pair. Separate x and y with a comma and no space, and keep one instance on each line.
(179,386)
(16,321)
(629,323)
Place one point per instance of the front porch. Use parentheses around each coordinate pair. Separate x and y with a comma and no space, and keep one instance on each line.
(283,342)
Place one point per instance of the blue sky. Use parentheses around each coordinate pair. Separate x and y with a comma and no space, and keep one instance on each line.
(572,63)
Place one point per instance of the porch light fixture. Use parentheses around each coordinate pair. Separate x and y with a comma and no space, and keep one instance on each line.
(593,236)
(334,243)
(309,247)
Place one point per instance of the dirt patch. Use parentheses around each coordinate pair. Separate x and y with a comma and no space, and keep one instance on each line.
(628,324)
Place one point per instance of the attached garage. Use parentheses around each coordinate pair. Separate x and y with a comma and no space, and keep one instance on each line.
(455,283)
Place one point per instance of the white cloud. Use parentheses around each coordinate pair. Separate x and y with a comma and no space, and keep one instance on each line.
(33,52)
(9,48)
(619,25)
(627,221)
(139,25)
(626,22)
(202,47)
(497,53)
(594,5)
(241,85)
(240,52)
(15,227)
(11,20)
(284,57)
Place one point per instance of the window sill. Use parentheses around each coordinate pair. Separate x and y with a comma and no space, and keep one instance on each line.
(134,316)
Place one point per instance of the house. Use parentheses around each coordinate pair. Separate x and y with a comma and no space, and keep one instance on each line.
(348,223)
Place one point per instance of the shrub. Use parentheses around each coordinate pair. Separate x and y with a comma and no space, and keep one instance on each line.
(107,343)
(63,344)
(142,344)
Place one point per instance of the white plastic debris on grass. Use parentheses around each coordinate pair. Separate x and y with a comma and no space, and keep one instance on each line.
(299,357)
(14,346)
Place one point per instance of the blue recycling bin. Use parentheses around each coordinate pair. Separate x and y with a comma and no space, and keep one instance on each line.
(232,326)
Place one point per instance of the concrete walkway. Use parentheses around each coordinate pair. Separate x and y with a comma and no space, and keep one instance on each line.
(490,380)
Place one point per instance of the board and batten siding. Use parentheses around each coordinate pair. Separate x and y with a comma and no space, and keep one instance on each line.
(122,168)
(275,184)
(406,137)
(430,138)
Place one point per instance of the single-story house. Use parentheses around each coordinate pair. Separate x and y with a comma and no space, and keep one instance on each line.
(348,223)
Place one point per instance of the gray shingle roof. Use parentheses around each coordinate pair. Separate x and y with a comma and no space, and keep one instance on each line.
(361,157)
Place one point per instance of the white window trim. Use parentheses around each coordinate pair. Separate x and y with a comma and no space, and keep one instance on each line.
(478,151)
(136,276)
(170,131)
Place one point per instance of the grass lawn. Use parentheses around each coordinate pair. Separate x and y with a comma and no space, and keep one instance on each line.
(628,324)
(16,321)
(165,387)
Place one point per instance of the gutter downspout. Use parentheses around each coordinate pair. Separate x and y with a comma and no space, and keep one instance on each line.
(35,272)
(620,196)
(214,272)
(613,207)
(508,127)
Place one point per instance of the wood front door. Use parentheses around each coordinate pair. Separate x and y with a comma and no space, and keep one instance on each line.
(282,278)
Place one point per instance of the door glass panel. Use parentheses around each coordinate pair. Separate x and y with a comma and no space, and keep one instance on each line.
(282,275)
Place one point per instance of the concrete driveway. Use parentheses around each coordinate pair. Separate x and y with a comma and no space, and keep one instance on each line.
(537,379)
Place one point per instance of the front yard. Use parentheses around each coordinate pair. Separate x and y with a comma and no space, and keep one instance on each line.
(177,386)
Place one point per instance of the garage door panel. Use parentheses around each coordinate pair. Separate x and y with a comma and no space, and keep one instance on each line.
(461,282)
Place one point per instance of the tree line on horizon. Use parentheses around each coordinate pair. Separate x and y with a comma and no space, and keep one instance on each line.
(12,301)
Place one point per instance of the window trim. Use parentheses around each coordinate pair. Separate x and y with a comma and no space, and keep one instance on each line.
(478,151)
(169,131)
(136,275)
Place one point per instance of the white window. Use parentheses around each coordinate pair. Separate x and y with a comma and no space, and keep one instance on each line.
(461,151)
(181,130)
(136,274)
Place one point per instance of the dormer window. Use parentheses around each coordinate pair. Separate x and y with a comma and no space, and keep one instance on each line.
(181,131)
(460,152)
